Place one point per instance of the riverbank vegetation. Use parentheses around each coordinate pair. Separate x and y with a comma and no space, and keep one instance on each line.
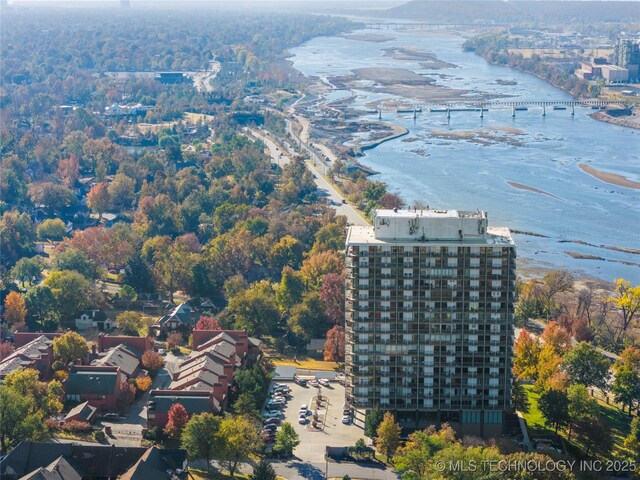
(494,47)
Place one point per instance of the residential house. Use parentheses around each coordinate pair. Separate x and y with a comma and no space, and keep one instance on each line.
(194,402)
(94,319)
(36,354)
(59,469)
(121,356)
(246,345)
(181,319)
(159,463)
(100,386)
(134,344)
(91,462)
(82,413)
(22,338)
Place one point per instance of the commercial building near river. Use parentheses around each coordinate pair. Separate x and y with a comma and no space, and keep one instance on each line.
(429,318)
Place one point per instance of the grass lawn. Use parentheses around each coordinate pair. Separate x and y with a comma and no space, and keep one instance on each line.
(618,421)
(306,363)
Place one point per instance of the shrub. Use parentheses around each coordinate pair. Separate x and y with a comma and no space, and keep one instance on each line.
(143,383)
(99,436)
(76,426)
(155,434)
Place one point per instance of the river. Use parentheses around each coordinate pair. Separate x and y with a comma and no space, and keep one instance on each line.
(467,162)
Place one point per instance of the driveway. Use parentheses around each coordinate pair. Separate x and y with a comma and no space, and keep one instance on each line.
(128,431)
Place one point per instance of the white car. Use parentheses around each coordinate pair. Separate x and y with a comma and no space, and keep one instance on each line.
(314,383)
(346,419)
(303,408)
(323,381)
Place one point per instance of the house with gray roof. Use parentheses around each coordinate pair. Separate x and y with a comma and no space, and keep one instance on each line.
(100,386)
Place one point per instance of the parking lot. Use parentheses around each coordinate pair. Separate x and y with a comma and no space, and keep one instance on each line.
(335,433)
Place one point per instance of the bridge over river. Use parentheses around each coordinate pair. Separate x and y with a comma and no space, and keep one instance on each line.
(514,106)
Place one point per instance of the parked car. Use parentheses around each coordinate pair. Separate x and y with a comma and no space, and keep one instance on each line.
(279,400)
(274,407)
(301,381)
(269,427)
(346,419)
(302,420)
(323,381)
(271,415)
(314,383)
(274,421)
(111,417)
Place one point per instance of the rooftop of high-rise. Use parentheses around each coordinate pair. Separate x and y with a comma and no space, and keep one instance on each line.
(429,225)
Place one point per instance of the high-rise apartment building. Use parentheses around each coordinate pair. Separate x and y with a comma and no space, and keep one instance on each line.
(429,318)
(627,55)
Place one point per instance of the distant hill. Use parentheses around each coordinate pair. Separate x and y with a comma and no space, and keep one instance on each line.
(495,11)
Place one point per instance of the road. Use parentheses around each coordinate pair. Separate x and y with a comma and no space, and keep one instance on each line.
(128,432)
(281,153)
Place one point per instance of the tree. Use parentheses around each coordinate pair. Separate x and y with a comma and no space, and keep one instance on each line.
(138,275)
(626,300)
(594,434)
(553,283)
(255,309)
(51,196)
(19,419)
(372,419)
(558,338)
(52,229)
(26,269)
(152,361)
(15,311)
(207,323)
(586,366)
(286,439)
(632,441)
(98,199)
(130,323)
(388,435)
(334,347)
(415,455)
(174,340)
(42,309)
(240,438)
(68,170)
(177,419)
(581,406)
(200,436)
(554,406)
(520,397)
(73,292)
(74,259)
(307,319)
(6,349)
(128,294)
(548,367)
(263,471)
(70,347)
(332,296)
(526,356)
(289,291)
(122,192)
(626,388)
(17,237)
(317,266)
(246,405)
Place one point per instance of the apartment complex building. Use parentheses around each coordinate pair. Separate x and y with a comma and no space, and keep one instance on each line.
(429,318)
